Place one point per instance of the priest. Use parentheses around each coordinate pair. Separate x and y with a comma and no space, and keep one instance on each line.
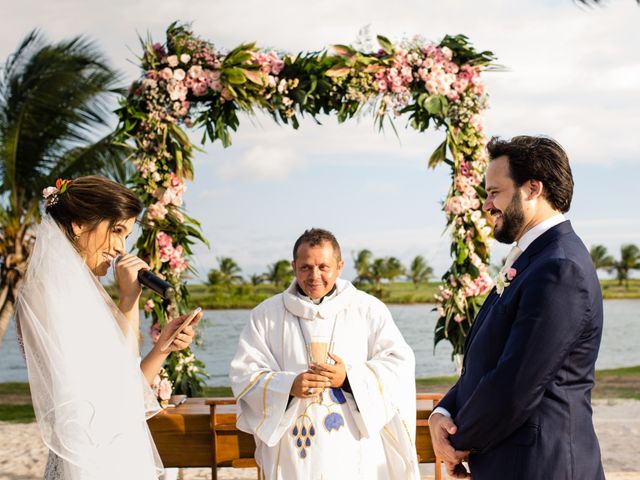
(324,379)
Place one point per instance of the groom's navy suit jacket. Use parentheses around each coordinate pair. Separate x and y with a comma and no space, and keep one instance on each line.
(523,402)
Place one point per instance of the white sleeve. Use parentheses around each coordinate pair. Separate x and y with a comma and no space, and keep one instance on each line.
(260,387)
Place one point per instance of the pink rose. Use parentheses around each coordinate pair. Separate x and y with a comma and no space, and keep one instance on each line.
(156,211)
(47,192)
(172,60)
(164,389)
(166,73)
(179,74)
(154,331)
(148,306)
(511,273)
(164,239)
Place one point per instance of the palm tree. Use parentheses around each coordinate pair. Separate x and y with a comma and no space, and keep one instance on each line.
(279,273)
(419,271)
(600,257)
(393,268)
(214,277)
(53,111)
(629,260)
(378,271)
(362,263)
(256,279)
(229,271)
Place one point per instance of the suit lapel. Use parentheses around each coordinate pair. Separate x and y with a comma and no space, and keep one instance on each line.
(521,263)
(486,306)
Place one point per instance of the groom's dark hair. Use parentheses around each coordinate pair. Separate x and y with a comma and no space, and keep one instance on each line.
(537,158)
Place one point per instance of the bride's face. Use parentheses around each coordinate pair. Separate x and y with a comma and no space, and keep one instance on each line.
(101,245)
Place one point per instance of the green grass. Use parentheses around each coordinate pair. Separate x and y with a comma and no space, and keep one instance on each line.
(435,381)
(618,383)
(17,413)
(612,290)
(217,392)
(14,388)
(624,371)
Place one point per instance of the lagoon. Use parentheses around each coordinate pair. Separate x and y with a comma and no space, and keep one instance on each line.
(416,322)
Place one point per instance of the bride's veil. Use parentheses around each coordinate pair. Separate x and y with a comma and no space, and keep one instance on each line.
(88,392)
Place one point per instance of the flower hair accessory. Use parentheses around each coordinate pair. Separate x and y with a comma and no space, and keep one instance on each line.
(52,194)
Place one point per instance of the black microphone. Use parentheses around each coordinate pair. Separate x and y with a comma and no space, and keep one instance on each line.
(155,283)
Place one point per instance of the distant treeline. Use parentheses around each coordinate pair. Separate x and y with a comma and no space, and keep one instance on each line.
(369,270)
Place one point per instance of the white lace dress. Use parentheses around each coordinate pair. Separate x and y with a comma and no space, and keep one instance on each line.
(54,469)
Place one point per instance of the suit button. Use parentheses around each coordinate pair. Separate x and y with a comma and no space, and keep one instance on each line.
(463,371)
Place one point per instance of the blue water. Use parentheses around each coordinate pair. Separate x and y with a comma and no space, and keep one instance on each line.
(416,322)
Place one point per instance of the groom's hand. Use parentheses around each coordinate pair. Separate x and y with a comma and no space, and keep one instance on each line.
(441,427)
(457,470)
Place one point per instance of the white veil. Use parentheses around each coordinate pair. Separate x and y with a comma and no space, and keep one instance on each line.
(88,391)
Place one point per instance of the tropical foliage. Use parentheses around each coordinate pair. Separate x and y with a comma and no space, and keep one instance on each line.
(187,82)
(227,273)
(629,260)
(362,263)
(279,273)
(419,270)
(53,123)
(600,257)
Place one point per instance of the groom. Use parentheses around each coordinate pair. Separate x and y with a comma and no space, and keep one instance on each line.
(521,409)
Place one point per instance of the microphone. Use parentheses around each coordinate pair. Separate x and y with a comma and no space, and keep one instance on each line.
(155,283)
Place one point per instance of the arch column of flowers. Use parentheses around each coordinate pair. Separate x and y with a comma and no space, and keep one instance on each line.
(187,82)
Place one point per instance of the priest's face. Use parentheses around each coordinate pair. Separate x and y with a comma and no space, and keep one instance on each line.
(316,268)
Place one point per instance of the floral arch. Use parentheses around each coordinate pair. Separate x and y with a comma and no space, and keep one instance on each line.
(187,82)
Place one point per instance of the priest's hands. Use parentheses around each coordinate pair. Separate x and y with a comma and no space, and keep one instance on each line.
(441,428)
(334,373)
(308,385)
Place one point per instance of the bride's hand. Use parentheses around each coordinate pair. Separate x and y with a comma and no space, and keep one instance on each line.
(126,271)
(184,338)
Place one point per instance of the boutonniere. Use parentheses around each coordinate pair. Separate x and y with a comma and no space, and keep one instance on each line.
(504,279)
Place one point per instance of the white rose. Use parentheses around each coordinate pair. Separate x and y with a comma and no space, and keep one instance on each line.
(172,60)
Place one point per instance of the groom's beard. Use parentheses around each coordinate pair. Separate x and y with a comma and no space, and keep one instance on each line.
(512,221)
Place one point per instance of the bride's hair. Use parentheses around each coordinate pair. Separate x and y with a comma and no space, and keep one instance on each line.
(92,199)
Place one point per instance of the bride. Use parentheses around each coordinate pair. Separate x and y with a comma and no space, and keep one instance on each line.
(90,389)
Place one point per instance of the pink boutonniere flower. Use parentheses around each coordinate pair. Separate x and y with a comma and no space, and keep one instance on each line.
(504,279)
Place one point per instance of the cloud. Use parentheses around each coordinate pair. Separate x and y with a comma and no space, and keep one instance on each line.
(261,162)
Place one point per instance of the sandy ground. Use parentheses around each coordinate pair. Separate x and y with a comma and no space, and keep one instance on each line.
(617,422)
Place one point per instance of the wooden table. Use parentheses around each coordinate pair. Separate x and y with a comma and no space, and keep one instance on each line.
(183,434)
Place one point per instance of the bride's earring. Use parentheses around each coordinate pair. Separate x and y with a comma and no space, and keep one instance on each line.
(76,237)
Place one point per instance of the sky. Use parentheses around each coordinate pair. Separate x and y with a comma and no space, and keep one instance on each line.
(570,72)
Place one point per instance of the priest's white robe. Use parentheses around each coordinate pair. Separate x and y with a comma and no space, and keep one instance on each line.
(368,435)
